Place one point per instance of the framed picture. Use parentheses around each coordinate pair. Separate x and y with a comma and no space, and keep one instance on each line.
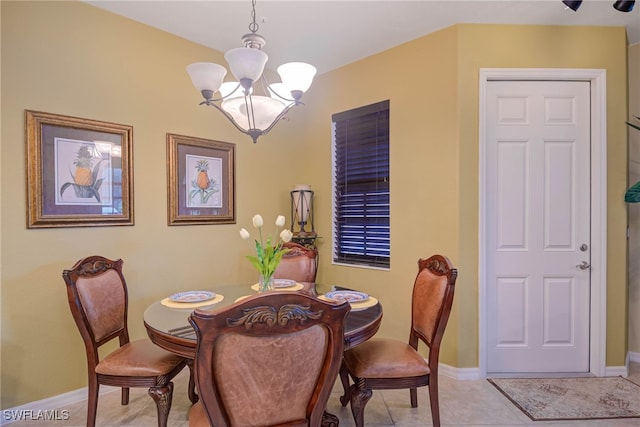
(79,172)
(201,181)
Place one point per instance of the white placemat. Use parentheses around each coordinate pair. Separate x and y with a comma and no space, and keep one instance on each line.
(355,306)
(295,287)
(172,304)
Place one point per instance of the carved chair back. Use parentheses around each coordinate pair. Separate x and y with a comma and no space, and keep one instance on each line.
(270,359)
(299,264)
(431,303)
(97,294)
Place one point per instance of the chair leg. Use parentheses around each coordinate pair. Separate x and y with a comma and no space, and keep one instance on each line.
(92,405)
(329,420)
(344,378)
(359,399)
(433,398)
(413,394)
(193,396)
(162,396)
(124,400)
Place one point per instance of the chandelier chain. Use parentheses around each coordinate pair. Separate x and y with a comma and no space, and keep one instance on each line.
(253,26)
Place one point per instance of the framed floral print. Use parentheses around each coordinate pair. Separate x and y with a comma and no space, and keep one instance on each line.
(201,181)
(79,172)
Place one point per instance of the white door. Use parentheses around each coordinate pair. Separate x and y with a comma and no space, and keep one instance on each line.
(538,226)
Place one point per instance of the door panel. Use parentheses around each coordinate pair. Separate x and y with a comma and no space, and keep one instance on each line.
(538,215)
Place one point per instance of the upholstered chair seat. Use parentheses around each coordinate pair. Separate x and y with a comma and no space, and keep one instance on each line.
(150,359)
(385,358)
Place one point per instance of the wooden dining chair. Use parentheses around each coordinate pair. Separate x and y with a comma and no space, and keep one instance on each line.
(97,293)
(382,363)
(300,263)
(268,360)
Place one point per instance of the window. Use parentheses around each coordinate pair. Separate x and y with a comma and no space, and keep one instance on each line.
(361,186)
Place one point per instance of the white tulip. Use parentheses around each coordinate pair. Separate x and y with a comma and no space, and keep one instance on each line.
(244,234)
(286,235)
(257,221)
(280,221)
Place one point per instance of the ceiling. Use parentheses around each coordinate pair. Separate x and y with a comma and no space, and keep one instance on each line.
(330,34)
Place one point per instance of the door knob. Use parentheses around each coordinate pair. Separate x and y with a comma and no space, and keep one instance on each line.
(584,265)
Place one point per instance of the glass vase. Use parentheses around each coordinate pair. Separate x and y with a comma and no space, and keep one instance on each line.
(265,284)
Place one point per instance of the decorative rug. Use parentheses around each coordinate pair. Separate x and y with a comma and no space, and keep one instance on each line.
(572,398)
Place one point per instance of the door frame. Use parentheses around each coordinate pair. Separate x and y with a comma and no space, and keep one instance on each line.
(598,289)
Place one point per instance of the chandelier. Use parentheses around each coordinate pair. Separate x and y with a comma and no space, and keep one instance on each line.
(251,113)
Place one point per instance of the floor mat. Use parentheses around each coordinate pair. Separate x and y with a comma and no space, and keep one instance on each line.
(572,398)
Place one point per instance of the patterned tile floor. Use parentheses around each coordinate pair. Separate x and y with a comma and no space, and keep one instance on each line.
(462,403)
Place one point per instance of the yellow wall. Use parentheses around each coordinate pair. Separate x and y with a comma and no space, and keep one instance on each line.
(419,79)
(505,46)
(108,68)
(432,84)
(74,59)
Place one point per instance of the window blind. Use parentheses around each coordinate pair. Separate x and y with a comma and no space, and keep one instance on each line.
(361,185)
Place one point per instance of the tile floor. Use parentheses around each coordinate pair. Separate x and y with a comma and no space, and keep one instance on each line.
(462,403)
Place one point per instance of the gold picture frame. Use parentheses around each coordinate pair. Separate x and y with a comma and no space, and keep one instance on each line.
(201,181)
(79,172)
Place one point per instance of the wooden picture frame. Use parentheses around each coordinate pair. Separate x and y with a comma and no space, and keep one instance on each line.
(79,172)
(201,181)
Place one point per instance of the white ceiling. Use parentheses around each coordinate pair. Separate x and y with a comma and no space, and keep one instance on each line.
(330,34)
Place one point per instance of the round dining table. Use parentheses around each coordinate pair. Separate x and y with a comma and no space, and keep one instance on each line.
(169,328)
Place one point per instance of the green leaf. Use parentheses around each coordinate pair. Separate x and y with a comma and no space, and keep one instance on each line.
(267,259)
(633,194)
(256,262)
(259,251)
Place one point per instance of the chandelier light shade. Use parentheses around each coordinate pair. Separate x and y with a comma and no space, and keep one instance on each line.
(251,113)
(246,63)
(206,76)
(297,75)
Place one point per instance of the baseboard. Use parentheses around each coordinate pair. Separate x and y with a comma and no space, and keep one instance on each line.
(633,357)
(49,408)
(474,373)
(616,371)
(459,373)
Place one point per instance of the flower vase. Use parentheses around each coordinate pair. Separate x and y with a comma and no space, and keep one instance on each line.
(265,284)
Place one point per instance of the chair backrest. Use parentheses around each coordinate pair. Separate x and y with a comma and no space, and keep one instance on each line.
(269,359)
(431,303)
(299,264)
(97,294)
